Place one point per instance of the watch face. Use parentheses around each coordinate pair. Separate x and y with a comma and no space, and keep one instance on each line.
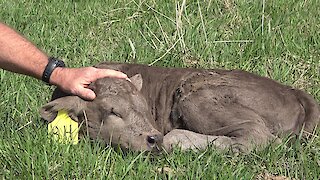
(60,64)
(57,62)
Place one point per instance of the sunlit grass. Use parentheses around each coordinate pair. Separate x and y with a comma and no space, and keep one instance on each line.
(278,39)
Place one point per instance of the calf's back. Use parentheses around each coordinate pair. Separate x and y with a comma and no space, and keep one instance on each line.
(283,108)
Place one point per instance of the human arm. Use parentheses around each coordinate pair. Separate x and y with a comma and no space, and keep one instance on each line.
(19,55)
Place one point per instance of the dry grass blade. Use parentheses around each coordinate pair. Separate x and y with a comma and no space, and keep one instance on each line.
(233,41)
(24,125)
(163,15)
(262,17)
(179,25)
(153,45)
(202,23)
(133,49)
(165,36)
(168,50)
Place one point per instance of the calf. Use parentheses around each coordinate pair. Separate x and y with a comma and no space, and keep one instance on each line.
(189,108)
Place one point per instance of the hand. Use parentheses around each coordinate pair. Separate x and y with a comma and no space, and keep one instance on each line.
(77,80)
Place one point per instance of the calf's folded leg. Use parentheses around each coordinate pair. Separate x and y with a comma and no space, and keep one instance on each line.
(185,140)
(242,140)
(249,135)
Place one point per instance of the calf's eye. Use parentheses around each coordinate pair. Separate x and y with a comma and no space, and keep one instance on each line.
(115,113)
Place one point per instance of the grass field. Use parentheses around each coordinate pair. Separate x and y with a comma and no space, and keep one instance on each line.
(277,38)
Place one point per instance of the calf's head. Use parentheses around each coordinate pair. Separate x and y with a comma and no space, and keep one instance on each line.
(118,115)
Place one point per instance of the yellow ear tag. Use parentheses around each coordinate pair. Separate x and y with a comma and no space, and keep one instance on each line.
(64,129)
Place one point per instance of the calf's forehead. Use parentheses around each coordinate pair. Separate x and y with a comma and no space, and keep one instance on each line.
(113,86)
(117,92)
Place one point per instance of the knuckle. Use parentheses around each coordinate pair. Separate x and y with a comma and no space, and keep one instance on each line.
(89,71)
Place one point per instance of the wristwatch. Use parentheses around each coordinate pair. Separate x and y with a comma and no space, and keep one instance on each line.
(52,64)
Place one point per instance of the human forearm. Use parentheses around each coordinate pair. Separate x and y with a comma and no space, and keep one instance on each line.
(19,55)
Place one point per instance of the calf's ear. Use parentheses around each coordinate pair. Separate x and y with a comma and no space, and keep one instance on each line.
(137,81)
(71,104)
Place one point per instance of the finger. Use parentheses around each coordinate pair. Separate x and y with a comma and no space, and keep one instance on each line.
(87,94)
(101,73)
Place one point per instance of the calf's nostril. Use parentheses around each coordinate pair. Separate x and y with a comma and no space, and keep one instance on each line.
(151,139)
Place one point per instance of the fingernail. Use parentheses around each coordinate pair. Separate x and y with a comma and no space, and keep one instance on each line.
(128,79)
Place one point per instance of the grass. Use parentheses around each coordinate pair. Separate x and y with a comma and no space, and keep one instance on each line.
(278,39)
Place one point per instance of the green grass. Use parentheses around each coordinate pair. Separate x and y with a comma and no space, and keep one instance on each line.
(279,39)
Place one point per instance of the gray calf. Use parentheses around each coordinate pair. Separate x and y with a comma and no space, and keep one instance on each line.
(189,108)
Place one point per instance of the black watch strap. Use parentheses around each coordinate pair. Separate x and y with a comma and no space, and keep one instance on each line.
(52,64)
